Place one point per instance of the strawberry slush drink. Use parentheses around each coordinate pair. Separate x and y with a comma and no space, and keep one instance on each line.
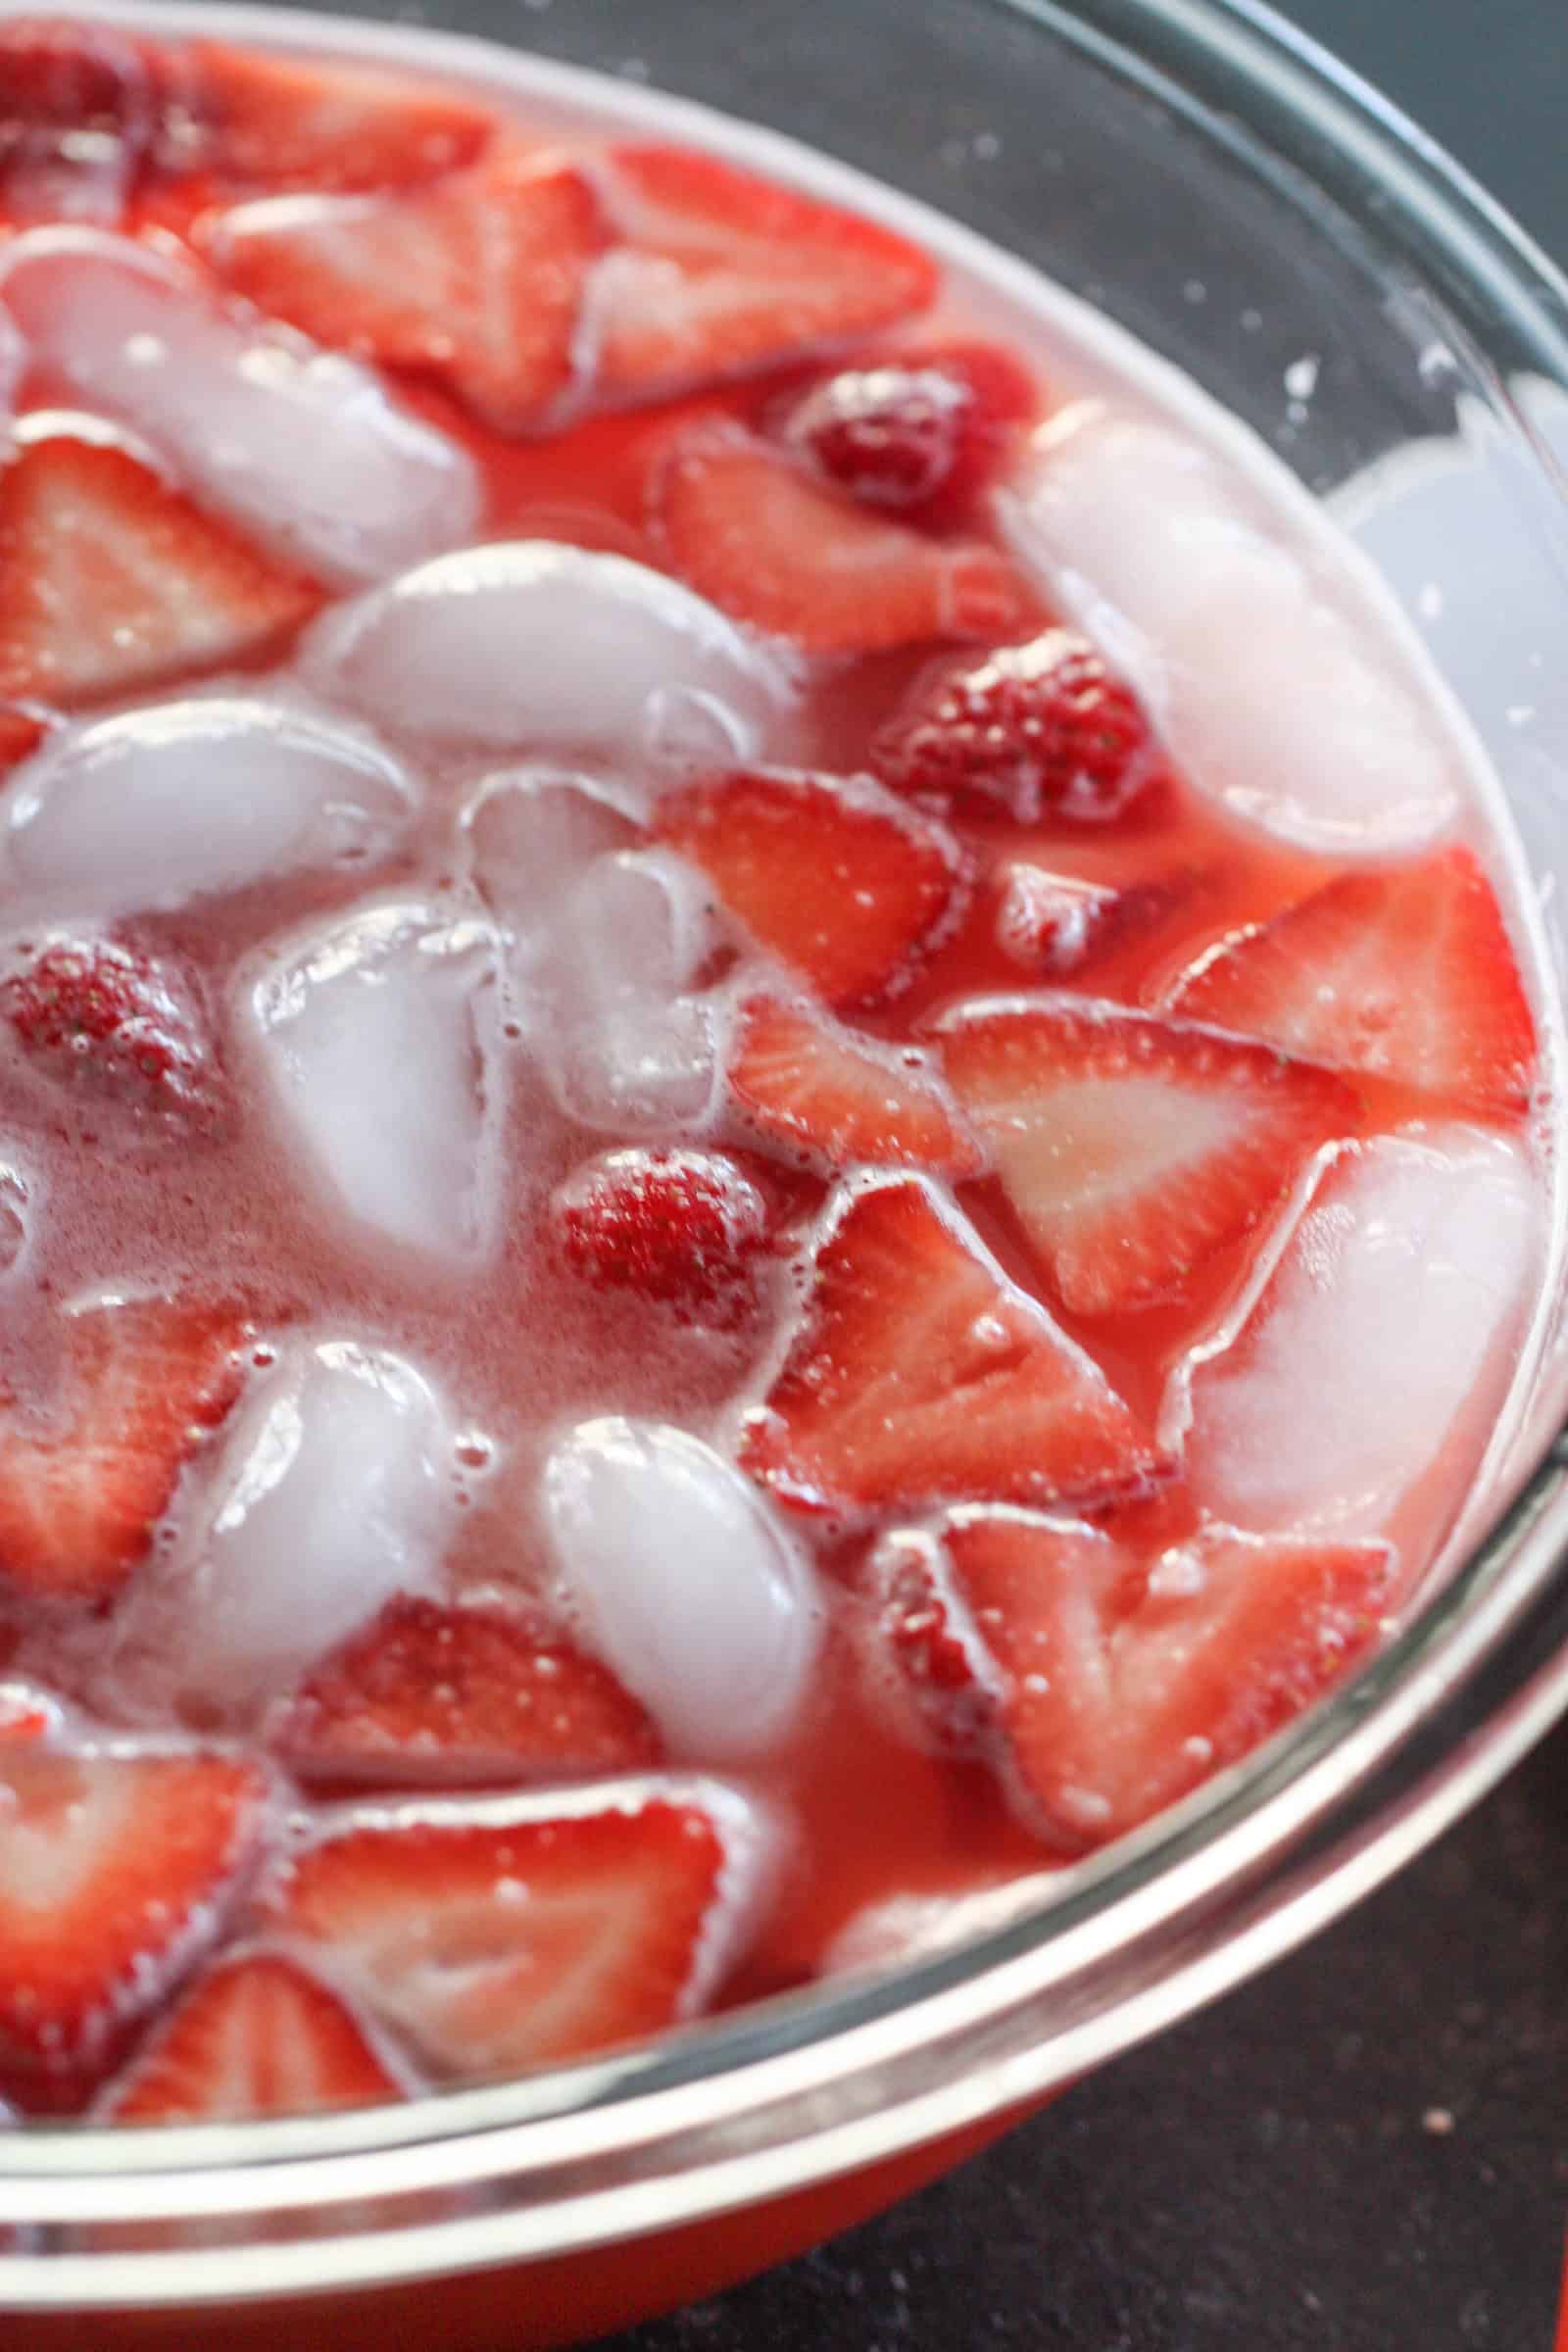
(773,1132)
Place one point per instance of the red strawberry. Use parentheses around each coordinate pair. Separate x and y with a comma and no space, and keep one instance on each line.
(1043,729)
(19,737)
(111,579)
(805,1083)
(836,878)
(922,432)
(240,114)
(28,1713)
(726,274)
(1101,1694)
(430,1695)
(75,116)
(1050,923)
(114,1870)
(1132,1148)
(920,1373)
(509,1931)
(256,2036)
(680,1227)
(81,1490)
(754,530)
(1404,973)
(478,282)
(108,1022)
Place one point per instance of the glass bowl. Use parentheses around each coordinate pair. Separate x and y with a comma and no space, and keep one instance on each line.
(1217,184)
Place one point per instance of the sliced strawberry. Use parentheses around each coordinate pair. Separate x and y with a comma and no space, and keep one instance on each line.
(836,878)
(919,1374)
(1043,729)
(754,530)
(679,1227)
(1102,1695)
(477,281)
(1404,972)
(723,273)
(75,116)
(256,2036)
(805,1082)
(114,1870)
(111,1024)
(506,1933)
(111,579)
(19,737)
(922,433)
(1048,922)
(1132,1148)
(240,114)
(426,1695)
(82,1488)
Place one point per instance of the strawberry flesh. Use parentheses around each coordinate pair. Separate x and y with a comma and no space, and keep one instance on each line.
(430,1696)
(723,273)
(82,1488)
(1051,924)
(807,1084)
(239,115)
(758,532)
(512,1933)
(76,117)
(114,1872)
(1132,1149)
(1098,1692)
(1040,730)
(111,579)
(919,1374)
(477,282)
(680,1227)
(256,2036)
(20,734)
(834,878)
(1403,974)
(921,435)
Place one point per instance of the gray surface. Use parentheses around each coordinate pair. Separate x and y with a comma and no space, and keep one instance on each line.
(1263,2179)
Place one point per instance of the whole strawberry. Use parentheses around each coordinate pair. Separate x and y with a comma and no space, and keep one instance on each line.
(1044,729)
(921,435)
(101,1018)
(679,1227)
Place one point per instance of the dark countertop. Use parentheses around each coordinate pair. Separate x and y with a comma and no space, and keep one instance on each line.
(1365,2150)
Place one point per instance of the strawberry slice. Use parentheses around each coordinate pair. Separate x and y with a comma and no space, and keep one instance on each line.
(110,1026)
(1404,973)
(242,114)
(116,1868)
(804,1082)
(426,1695)
(1043,729)
(682,1228)
(19,737)
(256,2036)
(834,877)
(75,116)
(477,281)
(754,530)
(506,1933)
(1133,1148)
(723,273)
(1050,922)
(82,1488)
(920,1374)
(1100,1693)
(922,434)
(111,579)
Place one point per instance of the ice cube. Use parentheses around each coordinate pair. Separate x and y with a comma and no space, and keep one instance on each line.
(336,1490)
(625,1050)
(531,833)
(550,649)
(14,1206)
(373,1037)
(157,807)
(683,1582)
(1262,652)
(1392,1317)
(302,446)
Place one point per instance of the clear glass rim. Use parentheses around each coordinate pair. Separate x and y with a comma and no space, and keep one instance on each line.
(819,2083)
